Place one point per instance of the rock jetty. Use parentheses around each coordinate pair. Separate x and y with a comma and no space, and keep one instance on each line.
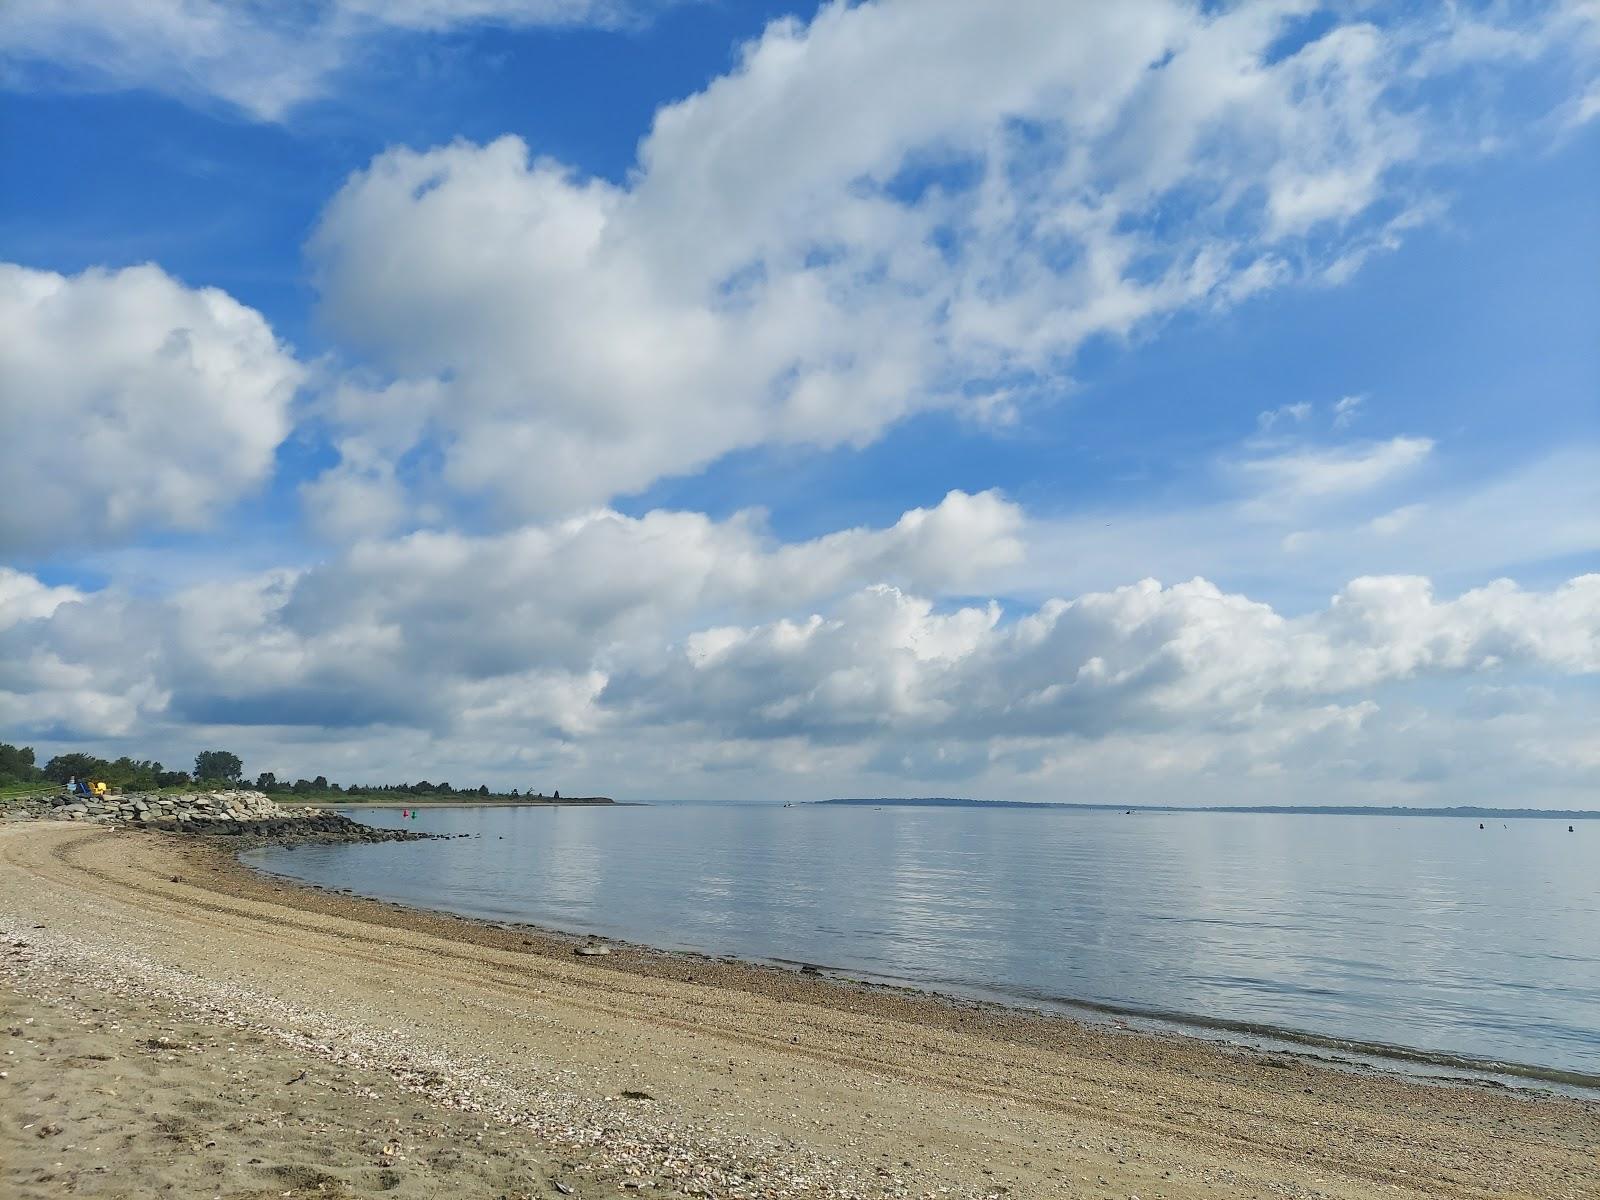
(241,814)
(149,808)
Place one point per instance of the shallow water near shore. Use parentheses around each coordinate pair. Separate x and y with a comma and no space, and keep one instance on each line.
(1416,932)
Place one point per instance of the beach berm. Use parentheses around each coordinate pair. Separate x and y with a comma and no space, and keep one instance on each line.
(179,1025)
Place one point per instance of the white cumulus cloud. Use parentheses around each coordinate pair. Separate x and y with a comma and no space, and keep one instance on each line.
(586,644)
(24,598)
(1136,658)
(414,630)
(129,401)
(891,208)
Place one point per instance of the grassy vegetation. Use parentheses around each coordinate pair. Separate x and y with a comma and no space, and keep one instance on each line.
(11,793)
(322,797)
(22,791)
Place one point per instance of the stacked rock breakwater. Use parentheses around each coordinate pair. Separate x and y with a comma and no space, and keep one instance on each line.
(238,814)
(154,808)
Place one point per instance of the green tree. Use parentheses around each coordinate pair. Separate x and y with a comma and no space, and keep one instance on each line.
(16,764)
(266,782)
(139,775)
(218,764)
(75,766)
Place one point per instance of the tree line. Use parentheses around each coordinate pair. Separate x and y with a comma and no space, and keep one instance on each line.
(212,768)
(18,765)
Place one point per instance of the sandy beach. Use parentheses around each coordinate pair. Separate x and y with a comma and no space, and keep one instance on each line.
(180,1026)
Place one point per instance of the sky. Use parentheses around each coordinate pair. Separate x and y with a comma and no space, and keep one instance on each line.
(1159,402)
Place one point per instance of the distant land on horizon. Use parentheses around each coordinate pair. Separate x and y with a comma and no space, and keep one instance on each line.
(1550,814)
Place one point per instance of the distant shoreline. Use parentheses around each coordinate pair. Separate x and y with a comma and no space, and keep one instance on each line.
(1336,810)
(473,802)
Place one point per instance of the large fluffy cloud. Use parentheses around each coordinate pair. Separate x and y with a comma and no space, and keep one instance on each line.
(894,207)
(412,630)
(24,598)
(72,663)
(1141,656)
(594,645)
(131,401)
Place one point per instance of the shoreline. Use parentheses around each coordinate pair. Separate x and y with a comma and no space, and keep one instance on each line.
(1338,1051)
(784,1083)
(507,802)
(1329,1050)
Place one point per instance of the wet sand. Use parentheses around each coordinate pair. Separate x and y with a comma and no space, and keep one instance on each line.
(456,1058)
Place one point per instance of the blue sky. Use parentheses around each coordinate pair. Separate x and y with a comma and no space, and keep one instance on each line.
(740,401)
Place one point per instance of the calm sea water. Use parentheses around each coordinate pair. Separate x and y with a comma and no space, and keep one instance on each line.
(1410,931)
